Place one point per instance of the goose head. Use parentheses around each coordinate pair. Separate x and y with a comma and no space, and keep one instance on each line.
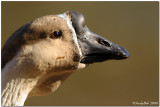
(43,53)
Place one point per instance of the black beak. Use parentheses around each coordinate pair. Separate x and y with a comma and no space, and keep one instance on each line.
(94,47)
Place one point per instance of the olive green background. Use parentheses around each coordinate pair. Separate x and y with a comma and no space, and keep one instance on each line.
(133,25)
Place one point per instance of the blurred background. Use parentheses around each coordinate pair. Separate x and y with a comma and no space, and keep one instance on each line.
(133,25)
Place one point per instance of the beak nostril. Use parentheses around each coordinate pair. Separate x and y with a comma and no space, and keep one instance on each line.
(103,42)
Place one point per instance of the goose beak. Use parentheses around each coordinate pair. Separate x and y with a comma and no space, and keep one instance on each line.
(98,49)
(94,47)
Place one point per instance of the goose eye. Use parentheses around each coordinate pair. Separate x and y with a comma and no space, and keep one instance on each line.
(56,34)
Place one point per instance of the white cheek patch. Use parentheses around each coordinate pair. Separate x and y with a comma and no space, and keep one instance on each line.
(45,54)
(38,54)
(69,23)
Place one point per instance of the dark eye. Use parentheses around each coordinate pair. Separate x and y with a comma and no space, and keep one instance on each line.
(56,34)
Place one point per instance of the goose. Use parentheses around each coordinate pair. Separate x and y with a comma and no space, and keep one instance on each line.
(40,55)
